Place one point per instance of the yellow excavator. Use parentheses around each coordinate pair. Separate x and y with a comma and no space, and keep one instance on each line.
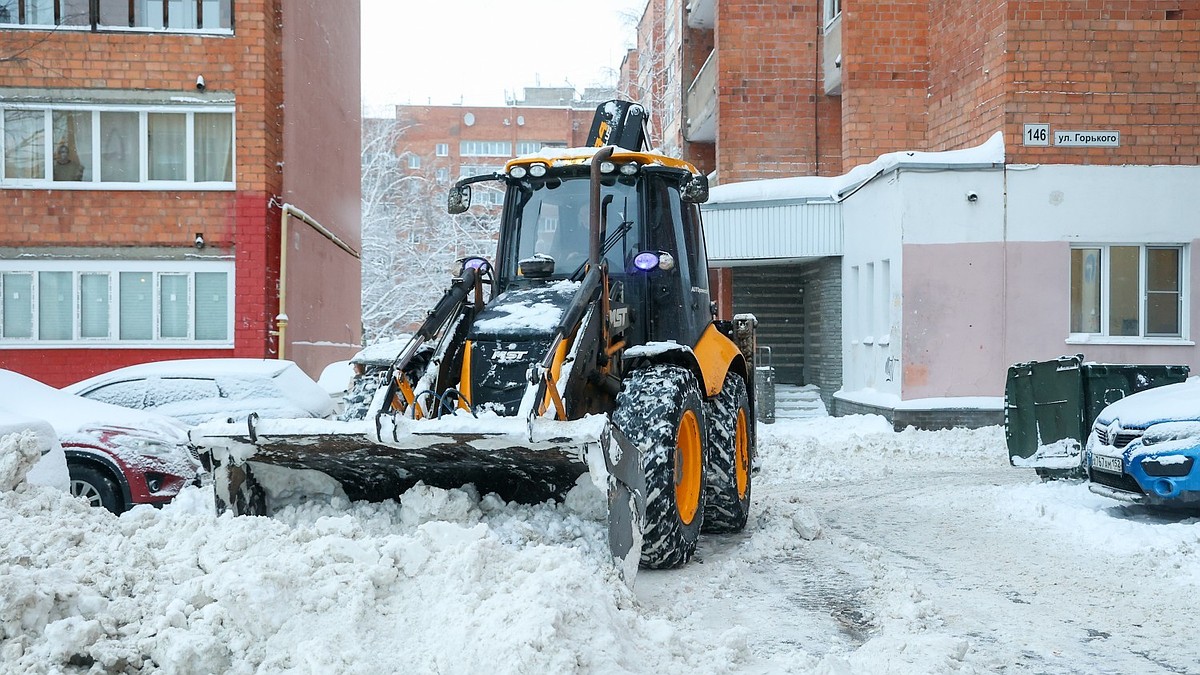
(588,345)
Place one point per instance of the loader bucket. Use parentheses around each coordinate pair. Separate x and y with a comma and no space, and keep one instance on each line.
(518,460)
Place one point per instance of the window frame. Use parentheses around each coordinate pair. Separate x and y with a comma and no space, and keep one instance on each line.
(93,23)
(1182,271)
(441,150)
(113,270)
(832,10)
(97,140)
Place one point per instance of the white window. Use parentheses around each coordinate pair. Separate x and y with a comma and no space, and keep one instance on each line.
(528,147)
(468,170)
(135,303)
(485,148)
(833,9)
(1128,291)
(182,15)
(442,150)
(72,147)
(443,175)
(414,161)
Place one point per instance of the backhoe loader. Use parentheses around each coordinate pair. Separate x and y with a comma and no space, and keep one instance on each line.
(589,345)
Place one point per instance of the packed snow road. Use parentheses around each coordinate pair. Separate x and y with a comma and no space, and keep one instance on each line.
(868,552)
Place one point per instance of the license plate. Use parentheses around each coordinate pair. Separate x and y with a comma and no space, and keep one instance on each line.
(1106,463)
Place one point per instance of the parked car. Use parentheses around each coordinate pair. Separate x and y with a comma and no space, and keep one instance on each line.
(1145,448)
(199,390)
(116,457)
(370,366)
(51,469)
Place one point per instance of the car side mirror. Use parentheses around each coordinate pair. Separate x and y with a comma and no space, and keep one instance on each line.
(695,191)
(459,199)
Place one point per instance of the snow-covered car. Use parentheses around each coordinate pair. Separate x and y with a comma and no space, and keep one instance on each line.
(116,457)
(371,367)
(199,390)
(1145,447)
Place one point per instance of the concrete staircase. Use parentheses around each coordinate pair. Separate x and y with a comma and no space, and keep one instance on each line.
(798,402)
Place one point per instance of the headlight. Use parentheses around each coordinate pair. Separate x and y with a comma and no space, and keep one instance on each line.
(517,172)
(537,170)
(146,447)
(1167,432)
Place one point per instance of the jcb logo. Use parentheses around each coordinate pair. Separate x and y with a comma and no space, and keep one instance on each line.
(602,134)
(508,356)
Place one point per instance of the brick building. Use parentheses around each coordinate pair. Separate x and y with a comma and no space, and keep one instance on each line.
(446,143)
(154,153)
(1058,220)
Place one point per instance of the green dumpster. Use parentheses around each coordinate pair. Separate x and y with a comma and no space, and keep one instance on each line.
(1049,407)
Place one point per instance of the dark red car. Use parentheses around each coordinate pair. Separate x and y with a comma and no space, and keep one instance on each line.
(116,457)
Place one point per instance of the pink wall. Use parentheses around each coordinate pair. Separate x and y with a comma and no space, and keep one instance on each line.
(973,310)
(953,320)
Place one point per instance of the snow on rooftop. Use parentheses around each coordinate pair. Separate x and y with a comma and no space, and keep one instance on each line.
(834,188)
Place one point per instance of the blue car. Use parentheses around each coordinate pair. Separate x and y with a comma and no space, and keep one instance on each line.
(1145,448)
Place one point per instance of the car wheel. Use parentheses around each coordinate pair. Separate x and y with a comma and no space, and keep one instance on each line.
(96,488)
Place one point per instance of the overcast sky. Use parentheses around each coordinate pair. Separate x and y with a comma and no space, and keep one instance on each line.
(478,51)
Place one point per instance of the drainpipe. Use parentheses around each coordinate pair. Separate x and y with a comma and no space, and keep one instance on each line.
(288,211)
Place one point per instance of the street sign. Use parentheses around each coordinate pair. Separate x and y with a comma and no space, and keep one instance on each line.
(1087,139)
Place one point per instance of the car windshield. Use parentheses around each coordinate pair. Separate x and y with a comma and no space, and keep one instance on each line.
(551,217)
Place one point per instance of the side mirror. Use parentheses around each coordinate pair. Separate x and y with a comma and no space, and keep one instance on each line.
(695,191)
(459,199)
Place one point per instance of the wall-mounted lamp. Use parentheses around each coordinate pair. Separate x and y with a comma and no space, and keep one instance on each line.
(972,196)
(199,243)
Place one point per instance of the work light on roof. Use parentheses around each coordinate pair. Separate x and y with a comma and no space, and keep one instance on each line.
(607,167)
(537,170)
(517,172)
(629,169)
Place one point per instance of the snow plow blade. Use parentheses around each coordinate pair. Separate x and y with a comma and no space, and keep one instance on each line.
(526,462)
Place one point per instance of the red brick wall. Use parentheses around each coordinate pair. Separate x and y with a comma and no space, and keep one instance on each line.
(248,64)
(967,72)
(885,77)
(768,89)
(1129,66)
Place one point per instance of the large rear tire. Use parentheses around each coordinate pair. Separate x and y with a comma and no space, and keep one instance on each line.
(660,411)
(730,450)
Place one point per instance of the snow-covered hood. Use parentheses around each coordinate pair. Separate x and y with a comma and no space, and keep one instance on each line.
(1171,403)
(525,311)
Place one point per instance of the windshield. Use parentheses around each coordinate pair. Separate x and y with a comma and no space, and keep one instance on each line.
(550,216)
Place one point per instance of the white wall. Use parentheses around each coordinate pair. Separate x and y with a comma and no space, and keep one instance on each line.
(871,276)
(979,285)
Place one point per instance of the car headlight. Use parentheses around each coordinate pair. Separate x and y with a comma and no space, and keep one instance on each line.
(147,447)
(1167,432)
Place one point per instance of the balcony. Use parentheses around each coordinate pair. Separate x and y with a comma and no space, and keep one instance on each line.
(702,14)
(701,104)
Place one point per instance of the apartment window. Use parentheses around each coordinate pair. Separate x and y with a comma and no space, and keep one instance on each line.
(442,150)
(49,303)
(833,9)
(1128,291)
(78,147)
(528,147)
(173,15)
(443,175)
(485,149)
(468,170)
(414,161)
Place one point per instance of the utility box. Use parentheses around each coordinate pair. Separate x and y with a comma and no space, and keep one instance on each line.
(1049,407)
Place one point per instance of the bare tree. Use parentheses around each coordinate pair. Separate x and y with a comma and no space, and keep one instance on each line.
(410,243)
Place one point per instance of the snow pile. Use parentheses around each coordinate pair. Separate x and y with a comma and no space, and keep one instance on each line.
(441,581)
(21,451)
